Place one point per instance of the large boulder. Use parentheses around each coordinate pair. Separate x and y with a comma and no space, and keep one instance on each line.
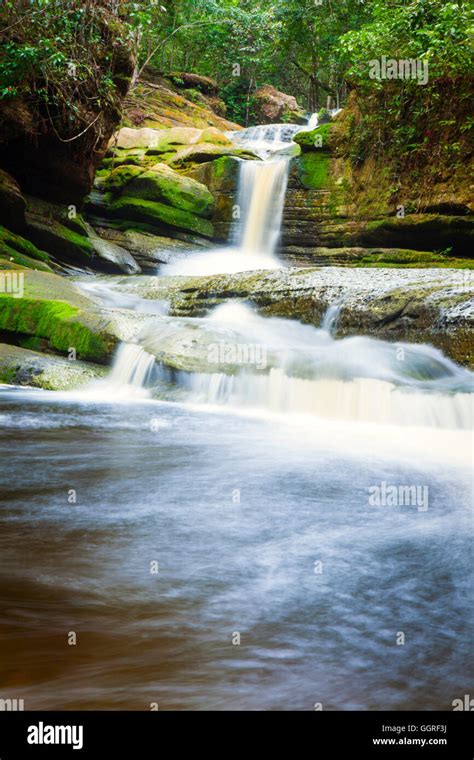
(16,251)
(158,216)
(272,106)
(23,366)
(187,100)
(203,152)
(158,140)
(53,229)
(161,183)
(51,308)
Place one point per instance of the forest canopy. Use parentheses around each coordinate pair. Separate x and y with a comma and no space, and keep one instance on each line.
(313,49)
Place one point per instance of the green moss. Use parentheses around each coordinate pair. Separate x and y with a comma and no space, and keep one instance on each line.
(10,242)
(121,177)
(313,170)
(161,184)
(316,139)
(152,213)
(20,260)
(55,320)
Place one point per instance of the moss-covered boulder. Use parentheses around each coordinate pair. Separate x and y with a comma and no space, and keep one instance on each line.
(116,181)
(314,139)
(158,102)
(50,307)
(203,152)
(59,230)
(15,248)
(161,183)
(158,142)
(158,216)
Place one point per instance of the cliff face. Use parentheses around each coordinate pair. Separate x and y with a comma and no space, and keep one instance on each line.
(46,180)
(347,191)
(53,136)
(43,156)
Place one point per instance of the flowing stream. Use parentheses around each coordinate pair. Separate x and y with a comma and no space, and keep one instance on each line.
(254,534)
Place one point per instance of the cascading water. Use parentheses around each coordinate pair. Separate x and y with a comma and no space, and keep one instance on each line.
(241,511)
(260,204)
(131,372)
(261,200)
(357,379)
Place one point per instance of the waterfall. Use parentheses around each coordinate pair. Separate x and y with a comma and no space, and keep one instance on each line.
(304,370)
(358,400)
(267,139)
(131,372)
(331,317)
(260,203)
(261,200)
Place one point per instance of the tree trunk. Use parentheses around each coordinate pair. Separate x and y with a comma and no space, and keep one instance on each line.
(312,94)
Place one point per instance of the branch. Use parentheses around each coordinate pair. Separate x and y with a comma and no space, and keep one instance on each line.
(163,42)
(312,76)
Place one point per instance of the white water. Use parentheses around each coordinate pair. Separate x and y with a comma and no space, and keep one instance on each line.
(261,200)
(303,370)
(260,204)
(357,379)
(131,373)
(358,400)
(268,140)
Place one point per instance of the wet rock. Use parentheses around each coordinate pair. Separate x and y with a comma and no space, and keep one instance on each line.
(20,366)
(274,107)
(113,254)
(413,305)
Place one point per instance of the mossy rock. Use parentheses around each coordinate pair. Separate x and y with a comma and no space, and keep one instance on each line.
(28,366)
(17,249)
(204,152)
(164,185)
(158,141)
(315,139)
(120,177)
(57,321)
(159,107)
(53,309)
(62,234)
(313,170)
(155,215)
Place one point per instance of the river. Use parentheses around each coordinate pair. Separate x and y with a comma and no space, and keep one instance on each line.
(282,541)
